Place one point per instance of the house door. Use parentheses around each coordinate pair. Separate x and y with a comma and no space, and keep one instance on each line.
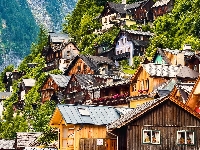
(111,144)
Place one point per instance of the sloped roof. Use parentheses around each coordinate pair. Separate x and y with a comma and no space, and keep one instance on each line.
(7,144)
(118,7)
(144,108)
(186,72)
(88,114)
(161,3)
(36,148)
(176,51)
(161,70)
(29,82)
(5,95)
(61,80)
(85,80)
(141,43)
(187,87)
(162,54)
(58,37)
(136,32)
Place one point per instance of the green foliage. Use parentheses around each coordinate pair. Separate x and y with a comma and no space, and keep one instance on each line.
(180,27)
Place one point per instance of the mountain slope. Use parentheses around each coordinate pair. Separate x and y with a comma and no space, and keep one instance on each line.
(20,21)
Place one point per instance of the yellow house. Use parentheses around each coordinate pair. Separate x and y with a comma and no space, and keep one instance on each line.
(76,122)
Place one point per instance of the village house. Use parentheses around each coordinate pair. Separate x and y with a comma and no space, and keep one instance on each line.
(59,52)
(84,126)
(130,43)
(53,86)
(88,64)
(162,7)
(142,12)
(162,123)
(149,77)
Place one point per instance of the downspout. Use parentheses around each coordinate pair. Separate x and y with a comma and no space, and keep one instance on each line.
(113,135)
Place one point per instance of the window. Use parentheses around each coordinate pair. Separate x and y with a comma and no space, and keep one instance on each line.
(151,137)
(185,137)
(195,67)
(134,87)
(147,84)
(84,112)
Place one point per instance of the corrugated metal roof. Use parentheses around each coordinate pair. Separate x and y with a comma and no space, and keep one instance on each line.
(7,144)
(61,80)
(29,82)
(98,115)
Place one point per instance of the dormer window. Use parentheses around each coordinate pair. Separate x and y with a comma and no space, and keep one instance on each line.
(84,111)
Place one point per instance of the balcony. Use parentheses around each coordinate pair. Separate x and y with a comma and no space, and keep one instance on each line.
(122,56)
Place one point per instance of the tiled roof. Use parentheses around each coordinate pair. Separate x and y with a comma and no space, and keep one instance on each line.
(7,144)
(161,3)
(118,7)
(186,72)
(29,82)
(5,95)
(58,37)
(124,119)
(161,70)
(24,139)
(139,32)
(88,114)
(176,51)
(61,80)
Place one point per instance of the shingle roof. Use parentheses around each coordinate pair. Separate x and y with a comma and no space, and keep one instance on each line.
(7,144)
(24,139)
(186,72)
(161,70)
(96,115)
(118,7)
(5,95)
(161,3)
(176,51)
(85,80)
(141,43)
(139,32)
(29,82)
(61,80)
(144,108)
(187,87)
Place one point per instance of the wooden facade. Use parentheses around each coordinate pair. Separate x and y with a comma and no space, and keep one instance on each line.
(168,122)
(143,83)
(80,67)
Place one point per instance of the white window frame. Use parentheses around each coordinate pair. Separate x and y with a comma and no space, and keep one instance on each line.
(185,134)
(151,141)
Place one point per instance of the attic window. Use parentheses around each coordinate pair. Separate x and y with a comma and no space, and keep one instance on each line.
(83,112)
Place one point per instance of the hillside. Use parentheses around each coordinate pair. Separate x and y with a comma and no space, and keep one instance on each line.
(20,21)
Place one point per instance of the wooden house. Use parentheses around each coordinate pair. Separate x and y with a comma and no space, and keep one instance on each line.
(52,85)
(87,64)
(130,43)
(163,123)
(194,96)
(59,52)
(7,144)
(142,12)
(82,123)
(162,7)
(149,77)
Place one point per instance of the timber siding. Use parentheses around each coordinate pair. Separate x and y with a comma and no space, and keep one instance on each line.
(168,118)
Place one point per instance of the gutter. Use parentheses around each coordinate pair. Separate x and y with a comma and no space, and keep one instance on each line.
(113,135)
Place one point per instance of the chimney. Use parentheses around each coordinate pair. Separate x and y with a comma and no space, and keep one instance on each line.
(123,1)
